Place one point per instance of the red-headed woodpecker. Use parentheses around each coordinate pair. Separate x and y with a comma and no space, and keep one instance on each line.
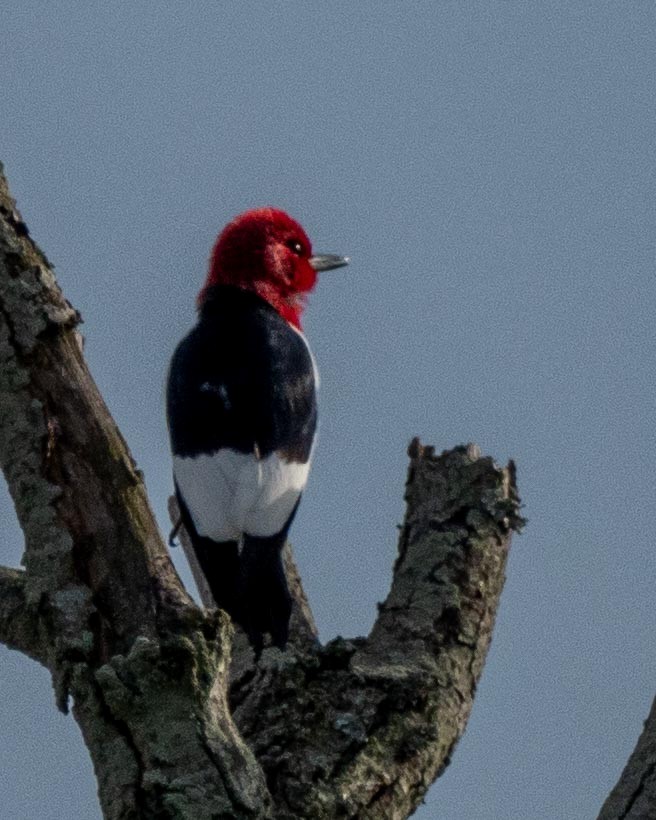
(242,415)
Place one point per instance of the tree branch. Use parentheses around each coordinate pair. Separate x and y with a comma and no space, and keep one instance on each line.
(634,796)
(146,668)
(60,450)
(356,728)
(362,727)
(19,626)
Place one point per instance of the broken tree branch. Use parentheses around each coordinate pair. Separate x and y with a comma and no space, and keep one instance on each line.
(362,727)
(634,796)
(146,668)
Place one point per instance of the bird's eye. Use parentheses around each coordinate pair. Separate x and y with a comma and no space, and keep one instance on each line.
(295,247)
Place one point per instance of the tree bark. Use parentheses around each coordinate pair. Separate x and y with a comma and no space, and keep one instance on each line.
(179,720)
(634,796)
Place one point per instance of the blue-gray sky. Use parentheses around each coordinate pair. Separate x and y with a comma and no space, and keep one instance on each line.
(489,168)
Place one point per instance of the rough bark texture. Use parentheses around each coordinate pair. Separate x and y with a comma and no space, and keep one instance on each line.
(634,796)
(358,728)
(377,719)
(99,602)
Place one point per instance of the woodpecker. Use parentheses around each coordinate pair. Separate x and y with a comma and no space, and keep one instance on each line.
(242,415)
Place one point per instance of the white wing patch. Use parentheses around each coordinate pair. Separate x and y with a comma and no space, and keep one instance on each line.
(229,493)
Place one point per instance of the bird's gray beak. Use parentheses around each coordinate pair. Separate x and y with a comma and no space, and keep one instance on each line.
(328,261)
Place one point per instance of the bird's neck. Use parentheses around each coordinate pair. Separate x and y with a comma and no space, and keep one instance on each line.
(290,309)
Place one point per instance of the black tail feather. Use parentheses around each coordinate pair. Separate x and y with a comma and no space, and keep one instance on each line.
(219,562)
(265,598)
(250,585)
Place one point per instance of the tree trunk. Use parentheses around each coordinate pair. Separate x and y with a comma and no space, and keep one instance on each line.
(178,719)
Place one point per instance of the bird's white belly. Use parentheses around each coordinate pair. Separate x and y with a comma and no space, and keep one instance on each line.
(229,493)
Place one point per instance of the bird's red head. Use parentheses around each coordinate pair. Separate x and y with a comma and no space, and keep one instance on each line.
(269,253)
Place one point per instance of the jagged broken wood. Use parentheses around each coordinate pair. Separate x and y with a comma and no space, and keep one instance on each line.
(359,727)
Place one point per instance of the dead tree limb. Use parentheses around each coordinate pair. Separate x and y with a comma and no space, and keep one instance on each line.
(634,796)
(107,614)
(358,728)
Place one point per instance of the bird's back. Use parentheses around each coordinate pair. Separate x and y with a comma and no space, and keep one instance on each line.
(241,407)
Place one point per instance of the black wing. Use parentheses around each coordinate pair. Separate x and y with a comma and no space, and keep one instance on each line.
(244,379)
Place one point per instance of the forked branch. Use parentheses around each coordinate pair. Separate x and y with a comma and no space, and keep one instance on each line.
(362,727)
(359,727)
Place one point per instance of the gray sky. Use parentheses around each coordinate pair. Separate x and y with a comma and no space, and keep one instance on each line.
(489,168)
